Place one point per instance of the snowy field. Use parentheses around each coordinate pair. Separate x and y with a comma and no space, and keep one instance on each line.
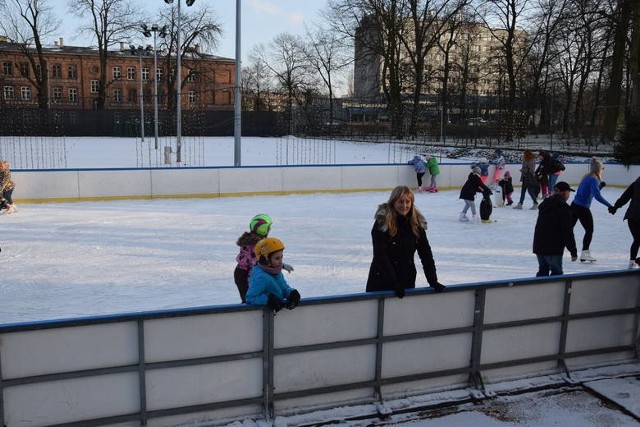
(62,260)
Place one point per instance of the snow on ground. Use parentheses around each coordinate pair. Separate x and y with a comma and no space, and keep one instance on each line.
(62,260)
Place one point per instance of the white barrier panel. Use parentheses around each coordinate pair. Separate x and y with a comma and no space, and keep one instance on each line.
(214,182)
(213,363)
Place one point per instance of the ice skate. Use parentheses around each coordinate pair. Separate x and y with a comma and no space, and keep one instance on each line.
(632,263)
(585,256)
(11,208)
(509,203)
(488,221)
(475,218)
(534,207)
(463,217)
(518,206)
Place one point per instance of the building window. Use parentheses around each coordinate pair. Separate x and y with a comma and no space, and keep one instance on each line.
(159,74)
(132,95)
(191,78)
(57,93)
(73,94)
(7,68)
(145,74)
(25,93)
(191,96)
(9,93)
(56,71)
(117,73)
(95,86)
(131,73)
(24,69)
(117,96)
(73,72)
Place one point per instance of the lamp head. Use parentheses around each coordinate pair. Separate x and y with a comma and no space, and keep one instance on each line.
(189,2)
(168,1)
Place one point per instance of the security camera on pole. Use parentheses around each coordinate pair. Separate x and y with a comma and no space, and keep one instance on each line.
(179,83)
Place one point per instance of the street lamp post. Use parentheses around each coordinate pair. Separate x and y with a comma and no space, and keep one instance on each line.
(139,52)
(237,111)
(147,33)
(179,82)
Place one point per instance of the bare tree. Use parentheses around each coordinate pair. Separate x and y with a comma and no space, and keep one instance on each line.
(326,54)
(110,21)
(256,85)
(201,32)
(26,23)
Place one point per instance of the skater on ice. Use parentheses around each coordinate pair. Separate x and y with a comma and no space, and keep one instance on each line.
(399,230)
(421,168)
(6,186)
(554,232)
(434,170)
(632,215)
(506,184)
(468,192)
(267,285)
(528,178)
(259,228)
(588,190)
(499,162)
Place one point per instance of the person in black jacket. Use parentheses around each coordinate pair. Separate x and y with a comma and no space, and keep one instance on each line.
(398,232)
(632,216)
(468,192)
(554,232)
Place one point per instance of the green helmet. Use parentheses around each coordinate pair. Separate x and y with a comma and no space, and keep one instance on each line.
(260,224)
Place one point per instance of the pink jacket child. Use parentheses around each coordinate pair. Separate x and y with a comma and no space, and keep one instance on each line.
(259,228)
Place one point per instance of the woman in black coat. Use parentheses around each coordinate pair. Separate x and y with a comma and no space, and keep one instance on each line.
(632,216)
(397,233)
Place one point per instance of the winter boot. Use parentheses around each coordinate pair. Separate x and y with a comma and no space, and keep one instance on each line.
(475,218)
(463,217)
(585,256)
(534,207)
(518,206)
(632,263)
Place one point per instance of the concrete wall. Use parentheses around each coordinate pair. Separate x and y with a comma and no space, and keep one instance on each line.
(88,184)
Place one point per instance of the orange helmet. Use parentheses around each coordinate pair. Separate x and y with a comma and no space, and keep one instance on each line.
(267,246)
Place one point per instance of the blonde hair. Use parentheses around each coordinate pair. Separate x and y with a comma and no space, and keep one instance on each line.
(392,215)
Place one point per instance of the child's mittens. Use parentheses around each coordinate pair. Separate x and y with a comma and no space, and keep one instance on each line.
(294,299)
(274,303)
(287,267)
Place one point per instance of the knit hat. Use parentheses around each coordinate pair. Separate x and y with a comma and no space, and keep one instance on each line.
(507,174)
(476,169)
(596,165)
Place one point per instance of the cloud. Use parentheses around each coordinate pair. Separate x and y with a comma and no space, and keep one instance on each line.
(296,18)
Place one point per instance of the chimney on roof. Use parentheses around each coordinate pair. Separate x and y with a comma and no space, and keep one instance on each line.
(197,49)
(122,48)
(61,42)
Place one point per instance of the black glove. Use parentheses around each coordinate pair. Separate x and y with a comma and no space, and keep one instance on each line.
(274,303)
(612,210)
(602,185)
(294,299)
(438,287)
(399,292)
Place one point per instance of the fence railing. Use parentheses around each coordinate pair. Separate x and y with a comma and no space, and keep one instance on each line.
(229,362)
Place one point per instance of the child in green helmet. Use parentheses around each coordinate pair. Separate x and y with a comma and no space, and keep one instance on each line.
(259,228)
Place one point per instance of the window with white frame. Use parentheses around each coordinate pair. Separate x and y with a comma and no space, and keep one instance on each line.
(133,95)
(57,93)
(145,74)
(159,74)
(73,94)
(117,73)
(117,96)
(7,68)
(95,86)
(191,78)
(56,71)
(9,93)
(191,96)
(25,93)
(131,73)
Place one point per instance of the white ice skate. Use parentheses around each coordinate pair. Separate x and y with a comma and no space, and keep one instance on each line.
(463,217)
(585,256)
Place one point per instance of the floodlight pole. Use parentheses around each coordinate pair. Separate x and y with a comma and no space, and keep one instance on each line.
(237,115)
(155,86)
(178,91)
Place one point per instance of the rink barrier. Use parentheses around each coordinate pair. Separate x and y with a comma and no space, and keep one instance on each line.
(223,363)
(71,185)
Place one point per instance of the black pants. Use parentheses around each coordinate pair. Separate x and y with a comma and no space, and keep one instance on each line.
(634,228)
(419,176)
(582,214)
(241,277)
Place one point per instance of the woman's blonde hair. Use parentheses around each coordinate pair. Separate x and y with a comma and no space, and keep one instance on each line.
(414,214)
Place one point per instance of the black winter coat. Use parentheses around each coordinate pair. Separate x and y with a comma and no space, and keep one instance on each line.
(393,264)
(554,228)
(473,185)
(631,193)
